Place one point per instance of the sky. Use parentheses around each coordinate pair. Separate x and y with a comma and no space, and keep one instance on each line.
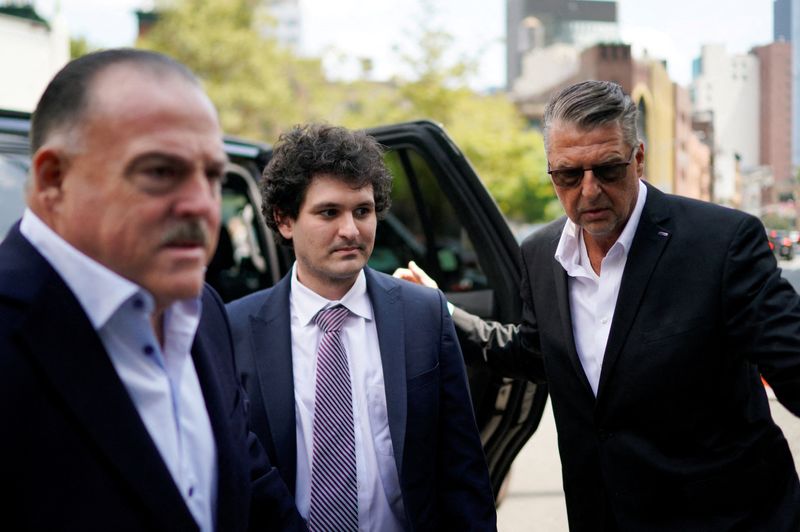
(673,30)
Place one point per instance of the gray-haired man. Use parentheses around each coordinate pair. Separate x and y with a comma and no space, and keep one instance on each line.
(652,318)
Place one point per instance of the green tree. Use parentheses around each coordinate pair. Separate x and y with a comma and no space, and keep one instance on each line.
(508,156)
(489,129)
(258,86)
(79,46)
(261,88)
(776,221)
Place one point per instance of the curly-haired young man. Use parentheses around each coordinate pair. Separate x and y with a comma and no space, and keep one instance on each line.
(356,380)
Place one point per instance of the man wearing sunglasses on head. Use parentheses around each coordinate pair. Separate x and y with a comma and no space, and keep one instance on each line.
(652,318)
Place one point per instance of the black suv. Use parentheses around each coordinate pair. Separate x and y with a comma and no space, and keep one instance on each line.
(442,217)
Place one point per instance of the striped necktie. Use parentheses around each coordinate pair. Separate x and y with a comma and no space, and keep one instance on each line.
(334,488)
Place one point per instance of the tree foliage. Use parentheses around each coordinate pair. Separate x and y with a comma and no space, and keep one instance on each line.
(262,88)
(259,87)
(507,155)
(509,158)
(79,46)
(776,221)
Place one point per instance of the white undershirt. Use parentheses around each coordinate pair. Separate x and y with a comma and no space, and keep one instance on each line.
(380,506)
(162,383)
(592,297)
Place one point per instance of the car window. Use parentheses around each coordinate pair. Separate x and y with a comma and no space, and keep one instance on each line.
(240,265)
(13,173)
(424,227)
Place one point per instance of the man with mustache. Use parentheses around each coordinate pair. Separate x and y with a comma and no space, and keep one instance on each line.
(356,380)
(652,318)
(119,397)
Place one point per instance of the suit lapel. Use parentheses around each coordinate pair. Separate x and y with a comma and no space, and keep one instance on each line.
(271,328)
(387,306)
(562,298)
(83,377)
(227,476)
(651,238)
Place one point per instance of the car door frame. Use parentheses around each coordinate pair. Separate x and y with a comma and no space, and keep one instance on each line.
(518,405)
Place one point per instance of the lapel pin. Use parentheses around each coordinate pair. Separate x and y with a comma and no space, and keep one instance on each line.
(663,233)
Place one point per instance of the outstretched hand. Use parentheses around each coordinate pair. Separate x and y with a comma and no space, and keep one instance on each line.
(415,274)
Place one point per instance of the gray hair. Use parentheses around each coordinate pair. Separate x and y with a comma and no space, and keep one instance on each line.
(591,104)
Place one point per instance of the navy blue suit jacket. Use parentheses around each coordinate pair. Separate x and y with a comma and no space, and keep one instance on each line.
(443,475)
(75,454)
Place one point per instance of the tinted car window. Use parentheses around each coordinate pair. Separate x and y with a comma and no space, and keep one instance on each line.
(423,226)
(13,173)
(241,264)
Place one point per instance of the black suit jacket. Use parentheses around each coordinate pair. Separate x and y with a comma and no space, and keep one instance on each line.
(75,453)
(680,435)
(443,476)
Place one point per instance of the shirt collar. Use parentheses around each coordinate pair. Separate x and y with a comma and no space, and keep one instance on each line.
(568,251)
(308,303)
(181,320)
(100,291)
(626,238)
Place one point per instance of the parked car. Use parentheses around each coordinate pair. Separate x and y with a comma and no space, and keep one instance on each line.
(781,244)
(442,217)
(794,236)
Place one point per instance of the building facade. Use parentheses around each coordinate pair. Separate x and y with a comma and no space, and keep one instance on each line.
(533,24)
(776,121)
(285,22)
(794,16)
(727,87)
(661,122)
(40,48)
(782,17)
(692,166)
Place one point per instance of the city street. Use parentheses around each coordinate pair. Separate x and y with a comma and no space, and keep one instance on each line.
(534,500)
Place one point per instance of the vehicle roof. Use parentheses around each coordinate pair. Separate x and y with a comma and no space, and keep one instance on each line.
(16,125)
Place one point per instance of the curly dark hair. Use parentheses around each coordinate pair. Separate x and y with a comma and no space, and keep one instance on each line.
(312,149)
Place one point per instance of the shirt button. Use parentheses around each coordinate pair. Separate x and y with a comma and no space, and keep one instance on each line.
(148,350)
(604,321)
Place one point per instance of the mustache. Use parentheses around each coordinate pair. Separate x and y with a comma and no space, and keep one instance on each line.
(193,231)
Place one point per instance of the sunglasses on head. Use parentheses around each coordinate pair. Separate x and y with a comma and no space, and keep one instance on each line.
(605,173)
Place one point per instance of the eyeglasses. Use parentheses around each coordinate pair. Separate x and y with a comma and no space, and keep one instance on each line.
(605,173)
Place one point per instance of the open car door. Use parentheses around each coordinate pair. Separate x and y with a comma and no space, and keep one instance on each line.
(444,219)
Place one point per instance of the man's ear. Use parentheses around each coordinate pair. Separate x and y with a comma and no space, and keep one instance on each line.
(640,160)
(285,224)
(49,166)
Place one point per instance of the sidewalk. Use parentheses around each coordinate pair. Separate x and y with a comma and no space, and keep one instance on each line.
(534,499)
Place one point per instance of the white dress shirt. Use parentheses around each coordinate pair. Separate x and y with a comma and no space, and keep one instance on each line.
(592,297)
(162,383)
(380,505)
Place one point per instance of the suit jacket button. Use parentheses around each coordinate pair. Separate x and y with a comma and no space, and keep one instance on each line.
(603,435)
